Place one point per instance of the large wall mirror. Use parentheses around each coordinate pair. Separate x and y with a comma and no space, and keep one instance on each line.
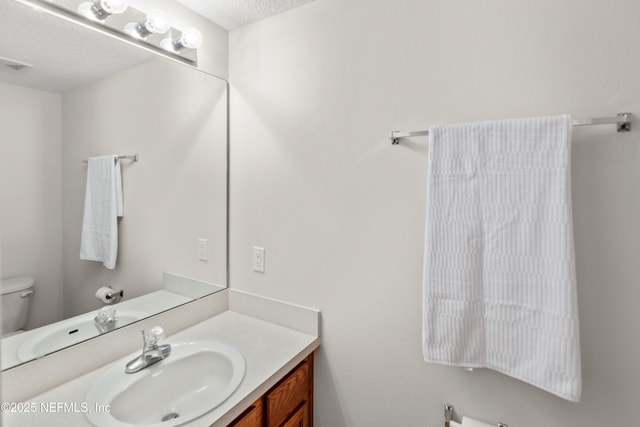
(68,93)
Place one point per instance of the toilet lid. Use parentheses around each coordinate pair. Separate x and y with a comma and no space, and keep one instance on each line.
(16,284)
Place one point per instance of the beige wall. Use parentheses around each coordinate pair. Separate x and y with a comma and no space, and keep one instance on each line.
(340,211)
(174,117)
(30,195)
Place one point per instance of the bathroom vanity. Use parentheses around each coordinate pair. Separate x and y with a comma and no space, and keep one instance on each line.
(287,404)
(276,340)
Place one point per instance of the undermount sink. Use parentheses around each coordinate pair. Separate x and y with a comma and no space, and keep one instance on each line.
(62,334)
(197,377)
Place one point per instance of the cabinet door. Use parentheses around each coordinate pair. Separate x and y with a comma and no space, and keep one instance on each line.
(287,396)
(252,417)
(300,418)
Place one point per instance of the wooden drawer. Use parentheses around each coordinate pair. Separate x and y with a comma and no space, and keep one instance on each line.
(285,398)
(252,417)
(300,418)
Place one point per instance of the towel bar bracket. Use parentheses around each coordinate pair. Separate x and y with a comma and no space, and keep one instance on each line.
(624,126)
(448,414)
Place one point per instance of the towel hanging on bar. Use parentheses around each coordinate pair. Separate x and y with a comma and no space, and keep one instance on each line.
(133,157)
(623,120)
(103,206)
(499,282)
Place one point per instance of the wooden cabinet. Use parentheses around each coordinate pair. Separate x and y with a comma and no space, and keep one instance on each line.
(285,398)
(287,404)
(300,418)
(252,417)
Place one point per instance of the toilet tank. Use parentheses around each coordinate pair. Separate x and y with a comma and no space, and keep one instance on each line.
(17,295)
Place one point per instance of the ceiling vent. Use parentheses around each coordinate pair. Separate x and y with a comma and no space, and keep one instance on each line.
(13,64)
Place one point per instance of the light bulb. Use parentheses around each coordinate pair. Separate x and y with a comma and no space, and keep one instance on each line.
(155,22)
(167,44)
(113,6)
(85,10)
(131,29)
(190,38)
(102,9)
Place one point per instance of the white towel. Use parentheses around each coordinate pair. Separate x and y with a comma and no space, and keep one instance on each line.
(103,204)
(499,280)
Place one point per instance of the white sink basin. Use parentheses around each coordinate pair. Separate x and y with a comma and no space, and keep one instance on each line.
(62,334)
(196,378)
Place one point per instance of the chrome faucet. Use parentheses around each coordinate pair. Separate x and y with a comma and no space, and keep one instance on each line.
(151,353)
(105,320)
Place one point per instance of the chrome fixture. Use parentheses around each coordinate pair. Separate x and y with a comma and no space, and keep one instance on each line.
(102,9)
(151,352)
(105,320)
(190,38)
(150,28)
(155,23)
(113,295)
(132,157)
(622,120)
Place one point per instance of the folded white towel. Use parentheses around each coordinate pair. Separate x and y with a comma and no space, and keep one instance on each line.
(103,204)
(499,281)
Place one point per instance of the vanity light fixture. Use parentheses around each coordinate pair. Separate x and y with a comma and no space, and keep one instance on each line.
(155,22)
(190,38)
(102,9)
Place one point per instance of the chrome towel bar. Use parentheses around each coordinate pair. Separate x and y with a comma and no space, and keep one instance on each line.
(133,157)
(622,120)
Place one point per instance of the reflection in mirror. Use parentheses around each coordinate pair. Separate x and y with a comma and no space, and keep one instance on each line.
(68,93)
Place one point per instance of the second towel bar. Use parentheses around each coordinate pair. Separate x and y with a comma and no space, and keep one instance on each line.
(133,157)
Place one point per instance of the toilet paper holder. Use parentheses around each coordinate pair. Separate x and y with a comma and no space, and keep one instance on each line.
(108,295)
(448,416)
(116,293)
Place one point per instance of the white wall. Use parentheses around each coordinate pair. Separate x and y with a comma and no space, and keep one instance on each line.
(174,117)
(30,195)
(340,211)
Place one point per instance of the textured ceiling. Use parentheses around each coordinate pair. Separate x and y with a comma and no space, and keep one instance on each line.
(230,14)
(63,55)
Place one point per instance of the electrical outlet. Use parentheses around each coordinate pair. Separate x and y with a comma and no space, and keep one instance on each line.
(203,249)
(258,259)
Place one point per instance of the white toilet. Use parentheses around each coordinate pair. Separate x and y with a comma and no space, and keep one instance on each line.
(17,295)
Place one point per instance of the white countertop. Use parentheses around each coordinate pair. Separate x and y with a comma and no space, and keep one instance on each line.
(270,351)
(154,302)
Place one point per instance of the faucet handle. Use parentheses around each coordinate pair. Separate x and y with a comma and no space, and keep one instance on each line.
(106,314)
(152,337)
